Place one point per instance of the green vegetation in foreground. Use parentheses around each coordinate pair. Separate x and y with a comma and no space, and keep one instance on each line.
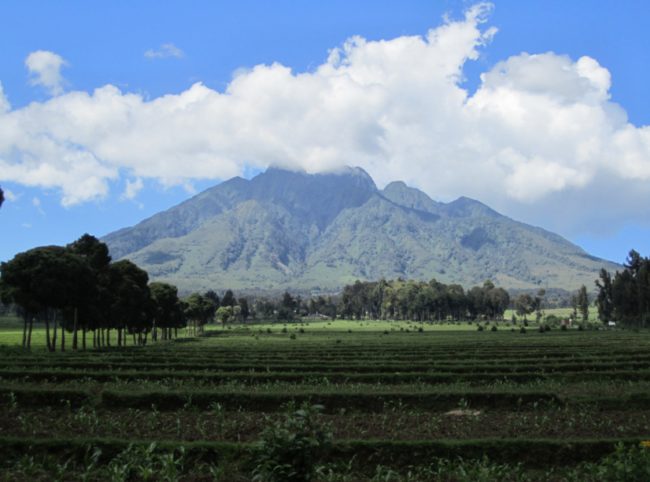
(333,401)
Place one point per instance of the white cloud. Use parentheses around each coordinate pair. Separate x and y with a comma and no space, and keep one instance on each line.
(165,51)
(45,70)
(132,188)
(539,134)
(4,102)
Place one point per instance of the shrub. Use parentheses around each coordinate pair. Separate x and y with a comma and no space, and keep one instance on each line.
(291,447)
(552,319)
(522,329)
(626,464)
(292,336)
(494,328)
(479,328)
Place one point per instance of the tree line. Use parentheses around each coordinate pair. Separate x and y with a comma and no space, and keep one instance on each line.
(77,289)
(420,301)
(625,297)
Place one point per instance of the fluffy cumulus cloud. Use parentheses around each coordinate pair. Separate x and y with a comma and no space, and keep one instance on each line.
(540,130)
(45,70)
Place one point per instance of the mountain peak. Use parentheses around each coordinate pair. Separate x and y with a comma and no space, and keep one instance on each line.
(291,229)
(465,206)
(410,197)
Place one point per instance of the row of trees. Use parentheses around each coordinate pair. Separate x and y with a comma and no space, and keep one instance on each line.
(77,290)
(625,297)
(419,301)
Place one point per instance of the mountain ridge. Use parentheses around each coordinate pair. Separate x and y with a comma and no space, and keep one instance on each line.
(293,230)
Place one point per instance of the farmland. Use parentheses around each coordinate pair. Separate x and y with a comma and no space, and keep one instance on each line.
(371,401)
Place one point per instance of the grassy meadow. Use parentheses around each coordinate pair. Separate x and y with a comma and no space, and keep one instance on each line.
(331,401)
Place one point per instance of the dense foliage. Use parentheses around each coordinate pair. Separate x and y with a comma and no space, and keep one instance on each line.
(419,301)
(625,297)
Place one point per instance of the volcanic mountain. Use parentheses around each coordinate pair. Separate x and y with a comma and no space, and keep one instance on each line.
(292,230)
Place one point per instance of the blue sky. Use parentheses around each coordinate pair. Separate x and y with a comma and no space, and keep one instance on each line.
(162,58)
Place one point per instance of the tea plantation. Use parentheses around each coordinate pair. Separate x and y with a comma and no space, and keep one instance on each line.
(352,402)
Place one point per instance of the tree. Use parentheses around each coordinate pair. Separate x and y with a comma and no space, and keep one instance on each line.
(583,303)
(2,197)
(228,299)
(130,303)
(199,310)
(245,311)
(44,282)
(224,313)
(524,305)
(92,314)
(604,301)
(167,309)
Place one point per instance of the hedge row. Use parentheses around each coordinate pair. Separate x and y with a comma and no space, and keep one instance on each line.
(332,377)
(542,366)
(533,453)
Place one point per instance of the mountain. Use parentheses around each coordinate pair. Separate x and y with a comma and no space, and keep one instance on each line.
(285,229)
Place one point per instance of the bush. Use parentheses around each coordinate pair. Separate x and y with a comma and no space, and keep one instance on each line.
(626,464)
(522,329)
(479,328)
(292,336)
(494,328)
(552,319)
(290,448)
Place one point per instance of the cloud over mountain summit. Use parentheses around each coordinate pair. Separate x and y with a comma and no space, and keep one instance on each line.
(540,130)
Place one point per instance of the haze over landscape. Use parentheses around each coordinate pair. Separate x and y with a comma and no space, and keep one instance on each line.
(544,121)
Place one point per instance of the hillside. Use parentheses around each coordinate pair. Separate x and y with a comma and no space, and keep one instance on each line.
(285,229)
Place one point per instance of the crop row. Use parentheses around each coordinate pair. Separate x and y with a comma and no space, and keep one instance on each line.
(248,377)
(530,452)
(375,401)
(403,367)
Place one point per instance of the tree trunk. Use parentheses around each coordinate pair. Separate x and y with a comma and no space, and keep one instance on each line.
(47,331)
(25,331)
(56,328)
(83,338)
(74,330)
(29,335)
(62,338)
(108,337)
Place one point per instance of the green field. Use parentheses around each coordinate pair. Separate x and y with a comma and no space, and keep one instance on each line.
(393,403)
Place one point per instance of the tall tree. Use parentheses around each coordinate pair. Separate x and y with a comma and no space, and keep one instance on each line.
(44,282)
(604,301)
(130,303)
(167,309)
(93,313)
(228,299)
(583,303)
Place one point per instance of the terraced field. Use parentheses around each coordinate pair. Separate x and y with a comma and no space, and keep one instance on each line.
(356,405)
